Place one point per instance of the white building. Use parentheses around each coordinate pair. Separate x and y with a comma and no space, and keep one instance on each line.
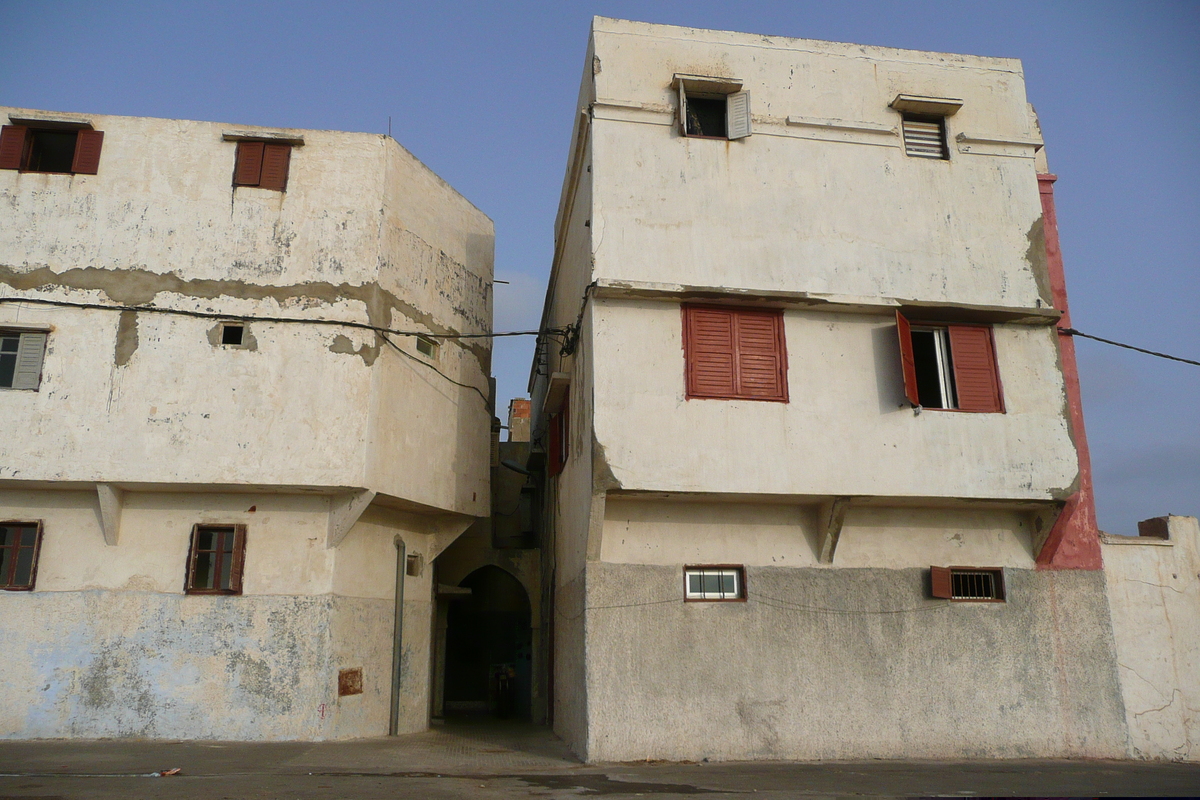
(816,389)
(223,463)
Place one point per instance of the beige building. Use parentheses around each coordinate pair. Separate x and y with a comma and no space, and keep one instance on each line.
(229,456)
(817,482)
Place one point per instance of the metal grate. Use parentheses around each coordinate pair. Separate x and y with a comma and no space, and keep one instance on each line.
(925,137)
(981,584)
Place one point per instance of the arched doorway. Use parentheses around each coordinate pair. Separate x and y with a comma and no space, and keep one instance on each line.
(489,646)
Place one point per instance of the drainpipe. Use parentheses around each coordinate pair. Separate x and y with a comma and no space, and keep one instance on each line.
(398,635)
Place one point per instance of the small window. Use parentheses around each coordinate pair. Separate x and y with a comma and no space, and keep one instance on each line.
(981,584)
(66,149)
(734,353)
(427,346)
(19,546)
(714,583)
(414,565)
(215,559)
(925,136)
(231,333)
(712,108)
(21,359)
(262,164)
(950,366)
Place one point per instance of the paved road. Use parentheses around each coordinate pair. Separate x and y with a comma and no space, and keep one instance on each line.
(488,761)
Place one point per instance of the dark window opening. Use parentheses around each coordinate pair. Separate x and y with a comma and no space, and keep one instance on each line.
(51,151)
(950,367)
(968,583)
(925,136)
(232,334)
(413,565)
(19,545)
(706,116)
(63,149)
(427,347)
(931,357)
(215,559)
(10,344)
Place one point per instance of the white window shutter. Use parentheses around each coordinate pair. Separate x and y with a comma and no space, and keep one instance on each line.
(682,110)
(28,374)
(737,115)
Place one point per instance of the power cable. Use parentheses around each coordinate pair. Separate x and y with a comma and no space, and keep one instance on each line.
(1073,332)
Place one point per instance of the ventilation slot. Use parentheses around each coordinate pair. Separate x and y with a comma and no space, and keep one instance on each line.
(925,137)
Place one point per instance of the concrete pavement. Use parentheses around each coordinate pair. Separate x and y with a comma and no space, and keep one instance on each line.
(495,760)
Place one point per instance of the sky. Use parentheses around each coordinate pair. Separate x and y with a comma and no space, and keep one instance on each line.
(484,94)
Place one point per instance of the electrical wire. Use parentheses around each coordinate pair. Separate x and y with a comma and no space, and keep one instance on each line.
(486,402)
(1073,332)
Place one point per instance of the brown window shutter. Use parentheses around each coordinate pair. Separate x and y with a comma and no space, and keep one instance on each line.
(976,379)
(12,146)
(275,166)
(565,437)
(239,559)
(939,579)
(908,362)
(708,344)
(87,152)
(190,576)
(249,164)
(555,445)
(760,355)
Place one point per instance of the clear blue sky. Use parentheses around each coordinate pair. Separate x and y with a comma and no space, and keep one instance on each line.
(484,92)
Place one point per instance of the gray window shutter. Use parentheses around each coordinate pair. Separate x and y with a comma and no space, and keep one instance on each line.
(28,374)
(737,115)
(682,110)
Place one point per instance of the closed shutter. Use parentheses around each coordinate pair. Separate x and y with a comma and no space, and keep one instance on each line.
(275,166)
(737,115)
(12,146)
(908,362)
(939,579)
(708,352)
(87,152)
(760,356)
(924,137)
(249,164)
(976,378)
(28,372)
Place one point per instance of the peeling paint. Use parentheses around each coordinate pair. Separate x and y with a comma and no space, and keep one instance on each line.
(127,338)
(342,344)
(1035,256)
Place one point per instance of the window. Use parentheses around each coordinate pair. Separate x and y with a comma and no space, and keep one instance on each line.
(560,437)
(60,148)
(734,353)
(231,333)
(712,108)
(262,164)
(21,359)
(950,366)
(427,347)
(19,546)
(983,584)
(713,583)
(215,559)
(925,136)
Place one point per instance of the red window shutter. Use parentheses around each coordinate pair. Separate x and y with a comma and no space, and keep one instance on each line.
(239,559)
(708,344)
(940,582)
(976,379)
(275,166)
(908,361)
(760,355)
(87,152)
(555,446)
(12,146)
(249,164)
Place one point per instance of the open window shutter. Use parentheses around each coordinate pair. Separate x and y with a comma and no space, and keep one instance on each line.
(190,578)
(12,146)
(275,166)
(759,355)
(737,115)
(939,579)
(708,351)
(249,164)
(565,437)
(28,373)
(555,445)
(682,110)
(908,362)
(239,559)
(87,152)
(976,379)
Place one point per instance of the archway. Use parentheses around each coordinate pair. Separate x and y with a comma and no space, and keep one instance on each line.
(489,646)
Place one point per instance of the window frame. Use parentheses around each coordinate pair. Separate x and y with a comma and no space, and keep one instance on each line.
(17,146)
(907,117)
(959,369)
(738,571)
(941,580)
(253,157)
(433,345)
(237,554)
(738,120)
(693,356)
(25,336)
(38,525)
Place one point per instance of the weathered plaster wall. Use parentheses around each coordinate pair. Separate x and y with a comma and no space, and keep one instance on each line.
(853,663)
(1154,597)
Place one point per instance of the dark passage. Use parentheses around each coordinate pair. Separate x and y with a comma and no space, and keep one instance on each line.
(488,648)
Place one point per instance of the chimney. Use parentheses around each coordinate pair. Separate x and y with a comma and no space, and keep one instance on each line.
(518,420)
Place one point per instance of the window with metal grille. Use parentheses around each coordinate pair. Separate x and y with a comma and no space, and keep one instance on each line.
(215,559)
(968,583)
(59,147)
(950,366)
(714,583)
(734,353)
(19,546)
(262,164)
(21,359)
(427,347)
(925,136)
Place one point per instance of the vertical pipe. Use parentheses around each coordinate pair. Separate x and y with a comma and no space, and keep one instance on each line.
(398,635)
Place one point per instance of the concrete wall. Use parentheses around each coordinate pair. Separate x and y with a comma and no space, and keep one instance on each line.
(1154,596)
(108,645)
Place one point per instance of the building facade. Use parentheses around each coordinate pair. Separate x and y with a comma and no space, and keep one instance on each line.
(229,457)
(817,480)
